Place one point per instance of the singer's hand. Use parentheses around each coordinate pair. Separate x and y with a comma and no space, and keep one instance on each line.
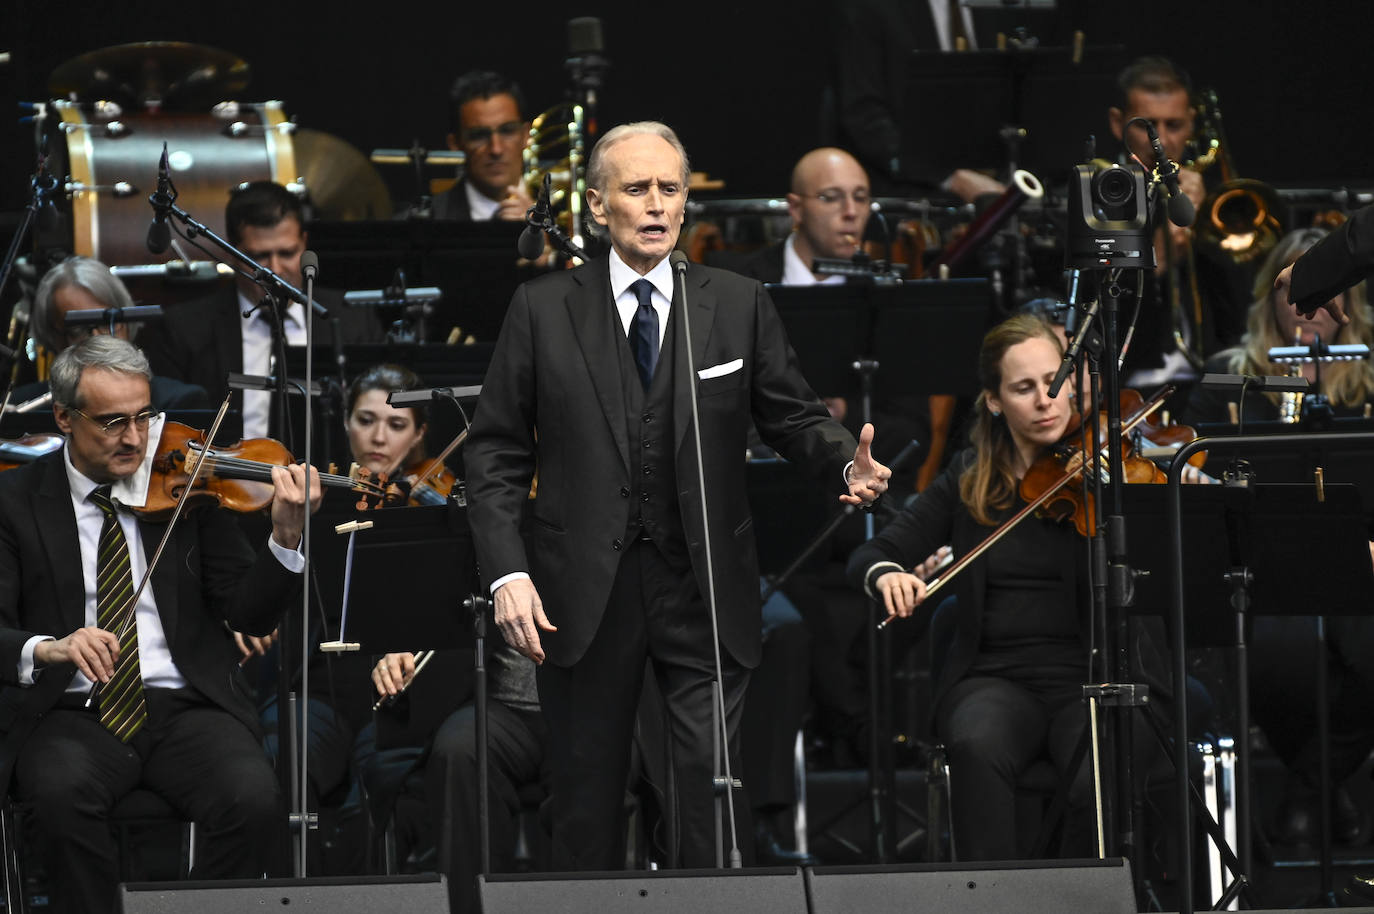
(94,651)
(517,202)
(867,477)
(520,615)
(251,644)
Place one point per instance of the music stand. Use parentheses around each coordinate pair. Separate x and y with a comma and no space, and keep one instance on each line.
(1178,615)
(430,548)
(960,109)
(473,263)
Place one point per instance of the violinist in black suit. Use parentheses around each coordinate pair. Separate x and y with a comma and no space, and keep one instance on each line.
(170,709)
(607,567)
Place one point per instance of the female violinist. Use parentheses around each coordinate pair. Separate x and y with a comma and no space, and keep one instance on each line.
(390,440)
(1011,653)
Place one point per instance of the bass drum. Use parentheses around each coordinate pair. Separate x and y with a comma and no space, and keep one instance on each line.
(112,162)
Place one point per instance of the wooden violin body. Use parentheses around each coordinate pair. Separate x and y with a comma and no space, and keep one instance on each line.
(237,477)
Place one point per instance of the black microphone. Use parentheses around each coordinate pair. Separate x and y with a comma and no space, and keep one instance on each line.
(310,264)
(160,233)
(531,243)
(1181,209)
(679,262)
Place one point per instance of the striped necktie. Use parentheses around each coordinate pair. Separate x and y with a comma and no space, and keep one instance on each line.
(122,707)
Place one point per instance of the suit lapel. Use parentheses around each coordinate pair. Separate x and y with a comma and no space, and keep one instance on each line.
(701,303)
(56,523)
(597,328)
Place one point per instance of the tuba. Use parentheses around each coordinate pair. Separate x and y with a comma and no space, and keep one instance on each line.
(1237,220)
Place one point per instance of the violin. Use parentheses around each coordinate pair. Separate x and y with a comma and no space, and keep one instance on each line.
(15,452)
(431,481)
(1044,481)
(238,477)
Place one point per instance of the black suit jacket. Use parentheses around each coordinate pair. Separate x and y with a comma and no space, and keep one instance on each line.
(453,203)
(766,264)
(208,576)
(1335,263)
(201,341)
(553,399)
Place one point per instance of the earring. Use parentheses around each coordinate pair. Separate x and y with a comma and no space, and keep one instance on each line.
(996,413)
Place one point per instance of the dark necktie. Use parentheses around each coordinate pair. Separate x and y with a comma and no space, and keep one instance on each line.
(122,707)
(644,331)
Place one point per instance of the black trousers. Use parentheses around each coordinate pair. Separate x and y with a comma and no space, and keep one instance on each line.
(775,707)
(201,759)
(517,742)
(654,612)
(993,730)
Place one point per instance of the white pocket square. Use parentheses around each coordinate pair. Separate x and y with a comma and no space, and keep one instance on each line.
(724,368)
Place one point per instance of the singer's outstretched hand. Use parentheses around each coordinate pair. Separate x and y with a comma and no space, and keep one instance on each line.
(867,477)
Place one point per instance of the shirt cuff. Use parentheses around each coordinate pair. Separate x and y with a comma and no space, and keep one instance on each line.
(875,571)
(506,579)
(293,560)
(848,468)
(26,669)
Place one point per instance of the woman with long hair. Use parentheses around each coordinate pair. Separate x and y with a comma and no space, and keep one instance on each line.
(1010,653)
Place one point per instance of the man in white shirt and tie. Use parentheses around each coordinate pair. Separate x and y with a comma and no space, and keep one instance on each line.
(102,692)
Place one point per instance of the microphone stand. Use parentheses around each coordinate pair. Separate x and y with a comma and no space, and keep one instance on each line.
(42,186)
(277,290)
(723,781)
(549,226)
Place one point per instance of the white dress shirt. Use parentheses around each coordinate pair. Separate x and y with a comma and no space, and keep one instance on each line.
(797,273)
(257,360)
(481,208)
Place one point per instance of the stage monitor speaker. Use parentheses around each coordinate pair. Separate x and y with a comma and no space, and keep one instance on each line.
(774,890)
(1042,887)
(426,894)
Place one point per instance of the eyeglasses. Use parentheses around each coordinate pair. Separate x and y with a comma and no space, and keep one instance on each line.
(118,424)
(861,198)
(481,136)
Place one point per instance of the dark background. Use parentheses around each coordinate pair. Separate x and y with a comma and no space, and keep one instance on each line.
(741,81)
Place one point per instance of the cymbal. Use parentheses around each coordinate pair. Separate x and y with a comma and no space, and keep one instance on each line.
(166,74)
(340,181)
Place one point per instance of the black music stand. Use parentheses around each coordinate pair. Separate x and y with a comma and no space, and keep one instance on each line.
(473,263)
(962,109)
(1225,557)
(907,335)
(430,548)
(922,333)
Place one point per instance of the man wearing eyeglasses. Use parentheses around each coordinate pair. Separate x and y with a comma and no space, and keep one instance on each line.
(104,686)
(829,205)
(487,112)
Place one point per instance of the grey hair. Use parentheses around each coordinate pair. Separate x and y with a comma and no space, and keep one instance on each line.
(107,353)
(596,165)
(84,272)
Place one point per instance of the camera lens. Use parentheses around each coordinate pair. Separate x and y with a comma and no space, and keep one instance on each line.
(1113,186)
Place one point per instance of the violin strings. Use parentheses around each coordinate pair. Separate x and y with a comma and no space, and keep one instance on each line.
(262,472)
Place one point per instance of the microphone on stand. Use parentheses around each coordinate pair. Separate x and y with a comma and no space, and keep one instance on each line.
(1180,207)
(531,243)
(160,233)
